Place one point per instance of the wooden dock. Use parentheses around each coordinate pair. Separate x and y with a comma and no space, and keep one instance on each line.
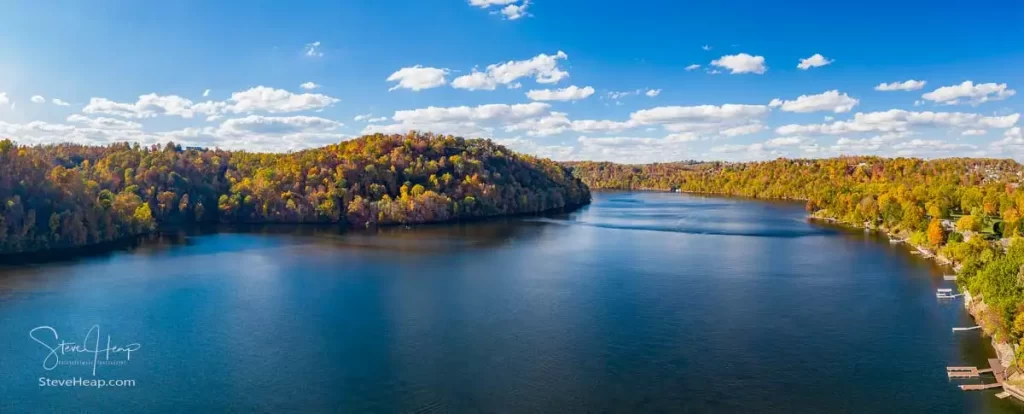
(995,368)
(949,277)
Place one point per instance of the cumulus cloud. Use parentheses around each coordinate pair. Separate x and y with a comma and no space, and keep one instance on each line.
(741,63)
(515,12)
(653,92)
(571,93)
(543,68)
(4,100)
(309,86)
(59,102)
(970,93)
(38,99)
(206,93)
(909,85)
(418,78)
(815,61)
(973,132)
(260,98)
(363,117)
(825,101)
(266,99)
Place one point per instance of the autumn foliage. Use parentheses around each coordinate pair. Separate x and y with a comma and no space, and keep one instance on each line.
(72,195)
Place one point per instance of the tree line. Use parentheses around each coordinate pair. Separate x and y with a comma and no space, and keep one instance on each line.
(67,195)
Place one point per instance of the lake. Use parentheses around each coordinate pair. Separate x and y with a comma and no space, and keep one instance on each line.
(641,301)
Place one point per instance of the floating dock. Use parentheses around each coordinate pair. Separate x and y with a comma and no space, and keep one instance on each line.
(949,277)
(995,368)
(966,329)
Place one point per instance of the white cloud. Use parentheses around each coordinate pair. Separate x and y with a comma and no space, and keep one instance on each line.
(783,142)
(653,92)
(909,85)
(278,125)
(418,78)
(59,102)
(483,4)
(558,122)
(741,63)
(825,101)
(692,67)
(38,99)
(973,94)
(378,119)
(700,113)
(364,117)
(4,100)
(313,49)
(103,123)
(920,144)
(898,120)
(309,86)
(262,98)
(543,68)
(706,48)
(571,93)
(500,112)
(815,61)
(743,130)
(515,12)
(206,93)
(555,152)
(147,106)
(973,132)
(619,95)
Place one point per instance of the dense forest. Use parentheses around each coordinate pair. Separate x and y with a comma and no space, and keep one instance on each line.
(966,211)
(59,196)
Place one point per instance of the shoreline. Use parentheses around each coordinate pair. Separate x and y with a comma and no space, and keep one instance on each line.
(1004,351)
(130,243)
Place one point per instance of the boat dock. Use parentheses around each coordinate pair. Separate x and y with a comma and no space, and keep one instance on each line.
(946,294)
(949,277)
(995,368)
(971,328)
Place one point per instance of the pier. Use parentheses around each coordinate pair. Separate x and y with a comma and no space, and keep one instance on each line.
(971,328)
(995,368)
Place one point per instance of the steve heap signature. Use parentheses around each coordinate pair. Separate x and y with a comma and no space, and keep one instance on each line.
(47,337)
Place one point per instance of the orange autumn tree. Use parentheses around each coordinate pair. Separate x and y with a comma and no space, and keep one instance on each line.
(936,234)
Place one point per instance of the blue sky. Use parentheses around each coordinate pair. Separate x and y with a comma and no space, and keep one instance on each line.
(565,79)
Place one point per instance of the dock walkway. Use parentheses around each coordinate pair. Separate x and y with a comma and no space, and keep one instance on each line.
(995,368)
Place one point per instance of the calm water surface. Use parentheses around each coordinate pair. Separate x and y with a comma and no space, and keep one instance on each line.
(639,302)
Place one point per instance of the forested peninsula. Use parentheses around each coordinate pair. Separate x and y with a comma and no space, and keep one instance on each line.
(65,196)
(967,212)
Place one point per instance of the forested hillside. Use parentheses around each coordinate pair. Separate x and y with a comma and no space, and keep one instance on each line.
(968,211)
(67,195)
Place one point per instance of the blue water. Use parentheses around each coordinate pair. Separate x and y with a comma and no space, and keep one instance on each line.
(639,302)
